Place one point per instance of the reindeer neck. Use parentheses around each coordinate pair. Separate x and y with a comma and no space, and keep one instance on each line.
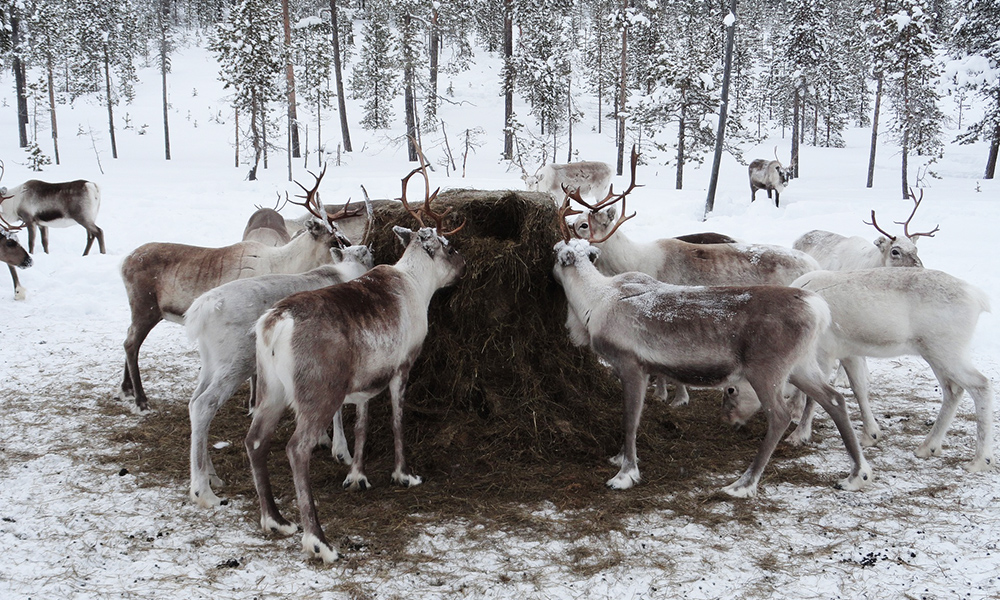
(619,254)
(418,269)
(584,284)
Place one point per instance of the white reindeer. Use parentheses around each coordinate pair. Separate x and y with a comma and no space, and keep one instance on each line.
(704,336)
(586,178)
(683,263)
(895,312)
(768,175)
(838,253)
(221,321)
(53,205)
(163,279)
(267,226)
(344,344)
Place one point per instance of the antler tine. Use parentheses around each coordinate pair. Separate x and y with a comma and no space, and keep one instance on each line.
(369,226)
(618,224)
(415,213)
(311,203)
(429,197)
(906,224)
(874,224)
(566,210)
(612,197)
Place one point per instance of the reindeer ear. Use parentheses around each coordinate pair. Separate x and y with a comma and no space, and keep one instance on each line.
(315,228)
(337,254)
(564,254)
(403,234)
(593,252)
(882,243)
(612,214)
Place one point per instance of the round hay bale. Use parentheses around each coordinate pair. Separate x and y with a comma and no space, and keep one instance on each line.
(498,376)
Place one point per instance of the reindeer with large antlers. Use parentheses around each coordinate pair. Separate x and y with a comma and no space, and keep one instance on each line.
(839,253)
(163,279)
(342,344)
(703,336)
(682,263)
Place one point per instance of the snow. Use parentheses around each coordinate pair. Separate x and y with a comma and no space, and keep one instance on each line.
(73,526)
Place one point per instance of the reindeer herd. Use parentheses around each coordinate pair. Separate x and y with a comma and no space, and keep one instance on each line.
(301,311)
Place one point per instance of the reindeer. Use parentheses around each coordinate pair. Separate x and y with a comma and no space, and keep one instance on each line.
(352,226)
(587,178)
(705,336)
(12,253)
(267,226)
(163,279)
(894,312)
(53,205)
(838,253)
(768,175)
(221,321)
(683,263)
(344,344)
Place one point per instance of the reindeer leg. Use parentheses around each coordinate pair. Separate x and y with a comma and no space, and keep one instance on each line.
(857,375)
(19,293)
(812,381)
(258,446)
(212,391)
(137,333)
(397,388)
(356,479)
(953,383)
(94,233)
(45,237)
(778,418)
(31,235)
(338,446)
(634,383)
(309,426)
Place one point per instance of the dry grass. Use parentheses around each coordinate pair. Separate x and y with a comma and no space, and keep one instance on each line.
(503,416)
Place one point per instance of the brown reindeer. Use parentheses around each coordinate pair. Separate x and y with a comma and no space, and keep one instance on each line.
(163,279)
(318,350)
(703,336)
(12,253)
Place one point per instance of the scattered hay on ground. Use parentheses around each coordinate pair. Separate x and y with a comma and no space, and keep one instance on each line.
(503,417)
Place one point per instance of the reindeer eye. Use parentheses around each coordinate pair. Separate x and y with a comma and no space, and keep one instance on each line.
(895,252)
(10,243)
(731,391)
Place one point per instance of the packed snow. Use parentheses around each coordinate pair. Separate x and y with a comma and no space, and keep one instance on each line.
(72,526)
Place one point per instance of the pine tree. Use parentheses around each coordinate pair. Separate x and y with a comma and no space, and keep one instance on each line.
(906,40)
(804,47)
(976,40)
(249,50)
(375,77)
(312,55)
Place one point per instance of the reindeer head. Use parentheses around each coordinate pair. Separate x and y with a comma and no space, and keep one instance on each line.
(601,220)
(901,251)
(449,264)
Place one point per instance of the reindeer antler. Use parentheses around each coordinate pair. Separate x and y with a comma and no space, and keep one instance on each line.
(874,224)
(906,224)
(566,211)
(610,199)
(428,198)
(7,227)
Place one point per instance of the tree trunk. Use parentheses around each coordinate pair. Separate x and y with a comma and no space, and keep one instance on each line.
(871,153)
(723,110)
(408,93)
(907,124)
(52,106)
(569,125)
(622,91)
(434,44)
(600,81)
(796,128)
(293,123)
(991,161)
(254,135)
(164,67)
(111,112)
(236,112)
(19,85)
(680,143)
(508,80)
(341,101)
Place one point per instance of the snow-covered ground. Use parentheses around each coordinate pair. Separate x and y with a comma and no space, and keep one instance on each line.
(71,526)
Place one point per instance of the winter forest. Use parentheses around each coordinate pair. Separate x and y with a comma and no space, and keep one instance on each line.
(657,70)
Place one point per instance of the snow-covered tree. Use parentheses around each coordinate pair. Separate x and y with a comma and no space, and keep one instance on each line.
(976,47)
(375,77)
(906,41)
(248,46)
(312,55)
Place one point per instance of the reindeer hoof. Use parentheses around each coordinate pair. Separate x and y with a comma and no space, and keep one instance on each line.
(870,439)
(356,483)
(740,490)
(855,482)
(624,479)
(317,548)
(926,450)
(407,481)
(206,498)
(281,527)
(797,438)
(979,464)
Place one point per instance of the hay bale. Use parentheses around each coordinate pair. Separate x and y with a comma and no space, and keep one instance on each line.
(498,375)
